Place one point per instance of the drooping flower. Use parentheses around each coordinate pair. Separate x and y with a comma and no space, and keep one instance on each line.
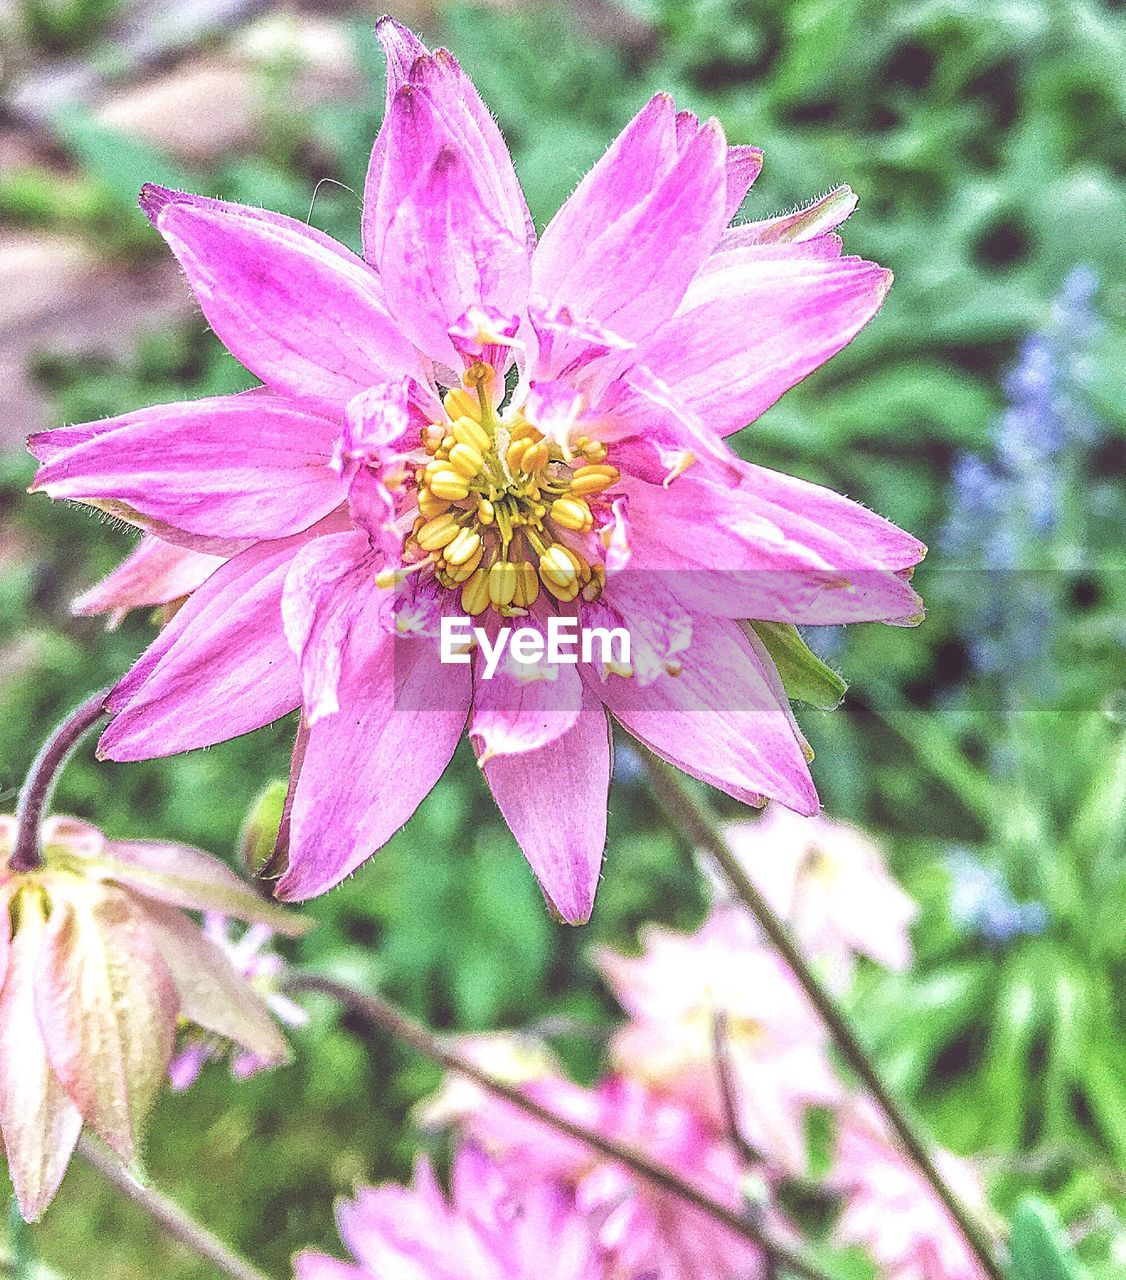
(466,421)
(98,964)
(892,1212)
(718,1002)
(647,1233)
(493,1226)
(262,970)
(829,882)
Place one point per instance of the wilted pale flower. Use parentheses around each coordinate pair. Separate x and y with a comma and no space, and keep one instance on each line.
(262,970)
(98,964)
(649,1234)
(467,422)
(677,990)
(829,882)
(155,573)
(892,1212)
(493,1226)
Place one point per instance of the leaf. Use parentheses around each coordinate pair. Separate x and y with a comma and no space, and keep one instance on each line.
(1039,1249)
(107,1011)
(805,677)
(39,1121)
(212,992)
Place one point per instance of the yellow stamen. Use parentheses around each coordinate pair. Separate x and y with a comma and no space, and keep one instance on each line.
(593,479)
(462,547)
(460,403)
(467,459)
(572,513)
(559,565)
(475,594)
(429,505)
(535,458)
(439,532)
(448,484)
(502,583)
(460,572)
(527,585)
(486,512)
(466,431)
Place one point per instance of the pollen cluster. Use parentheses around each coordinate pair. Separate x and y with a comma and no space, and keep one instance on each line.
(500,505)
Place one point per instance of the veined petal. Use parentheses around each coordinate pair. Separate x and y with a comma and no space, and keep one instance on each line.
(554,799)
(243,467)
(220,668)
(745,334)
(744,164)
(155,572)
(107,1012)
(445,250)
(815,219)
(631,276)
(211,992)
(296,308)
(366,769)
(465,123)
(719,719)
(40,1123)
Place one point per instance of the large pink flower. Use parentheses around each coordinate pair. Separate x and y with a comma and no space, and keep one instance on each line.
(466,421)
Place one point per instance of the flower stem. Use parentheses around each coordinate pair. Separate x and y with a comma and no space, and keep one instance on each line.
(699,828)
(169,1216)
(374,1009)
(37,790)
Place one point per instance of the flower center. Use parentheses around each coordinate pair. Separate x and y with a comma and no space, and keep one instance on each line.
(503,511)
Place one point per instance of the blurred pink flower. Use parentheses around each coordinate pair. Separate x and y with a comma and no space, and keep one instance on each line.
(384,450)
(892,1213)
(774,1044)
(646,1232)
(98,963)
(829,881)
(262,971)
(493,1226)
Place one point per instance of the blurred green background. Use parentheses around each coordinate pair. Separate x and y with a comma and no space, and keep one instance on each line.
(986,748)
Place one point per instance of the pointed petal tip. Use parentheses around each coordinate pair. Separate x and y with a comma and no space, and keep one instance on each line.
(153,199)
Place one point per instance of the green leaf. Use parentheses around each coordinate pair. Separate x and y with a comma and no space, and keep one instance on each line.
(805,676)
(1039,1248)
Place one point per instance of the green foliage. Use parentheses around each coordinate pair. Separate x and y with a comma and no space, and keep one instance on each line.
(1039,1249)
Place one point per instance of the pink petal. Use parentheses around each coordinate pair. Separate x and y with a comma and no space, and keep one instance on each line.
(154,572)
(220,668)
(744,164)
(367,768)
(5,921)
(633,271)
(107,1012)
(747,332)
(40,1124)
(329,590)
(242,467)
(554,799)
(465,123)
(719,720)
(445,250)
(815,219)
(300,311)
(319,1266)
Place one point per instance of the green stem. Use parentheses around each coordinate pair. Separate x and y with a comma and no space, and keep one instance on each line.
(700,829)
(169,1216)
(374,1009)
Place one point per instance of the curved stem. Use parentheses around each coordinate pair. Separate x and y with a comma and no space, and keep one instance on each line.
(376,1010)
(700,829)
(169,1216)
(36,793)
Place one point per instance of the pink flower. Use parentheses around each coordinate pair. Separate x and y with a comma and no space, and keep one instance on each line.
(98,962)
(773,1042)
(892,1213)
(155,573)
(646,1232)
(828,880)
(468,422)
(493,1226)
(262,971)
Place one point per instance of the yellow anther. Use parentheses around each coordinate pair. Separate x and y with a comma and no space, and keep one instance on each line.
(432,437)
(565,594)
(515,452)
(478,374)
(527,585)
(502,583)
(448,484)
(439,532)
(385,579)
(475,593)
(593,479)
(462,547)
(461,572)
(572,513)
(466,431)
(522,429)
(486,512)
(460,403)
(594,451)
(429,505)
(535,458)
(560,566)
(467,459)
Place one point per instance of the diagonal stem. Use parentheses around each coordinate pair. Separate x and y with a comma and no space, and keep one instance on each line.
(168,1215)
(699,828)
(374,1009)
(37,790)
